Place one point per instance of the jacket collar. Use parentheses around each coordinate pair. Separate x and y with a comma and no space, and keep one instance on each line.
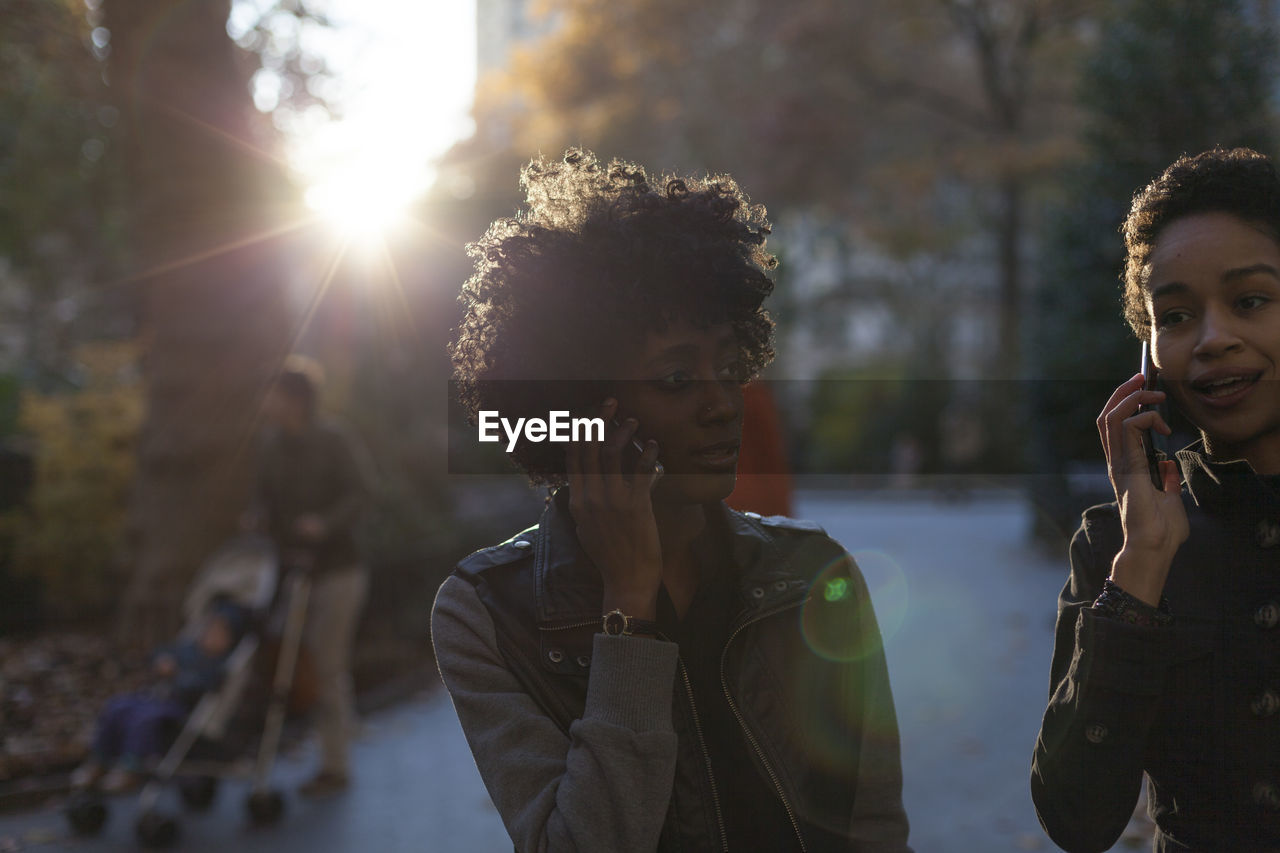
(567,587)
(1222,485)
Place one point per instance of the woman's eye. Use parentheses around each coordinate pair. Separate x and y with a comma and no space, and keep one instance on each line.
(675,379)
(1172,318)
(1248,303)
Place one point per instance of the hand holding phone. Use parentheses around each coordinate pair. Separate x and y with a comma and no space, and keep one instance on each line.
(610,501)
(1154,520)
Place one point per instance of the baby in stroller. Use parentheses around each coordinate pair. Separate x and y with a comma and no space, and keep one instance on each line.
(136,728)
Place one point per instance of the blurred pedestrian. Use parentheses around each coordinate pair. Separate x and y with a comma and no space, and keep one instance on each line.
(1167,655)
(311,492)
(647,669)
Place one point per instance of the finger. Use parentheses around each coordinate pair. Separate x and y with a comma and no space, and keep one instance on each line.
(649,471)
(1114,420)
(1171,475)
(591,450)
(648,464)
(1126,388)
(1144,421)
(1159,424)
(1133,402)
(617,482)
(614,445)
(577,483)
(1126,453)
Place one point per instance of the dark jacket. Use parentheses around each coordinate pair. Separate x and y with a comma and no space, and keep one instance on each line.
(821,724)
(1196,705)
(316,472)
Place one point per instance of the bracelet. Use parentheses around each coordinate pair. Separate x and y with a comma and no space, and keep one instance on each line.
(1115,603)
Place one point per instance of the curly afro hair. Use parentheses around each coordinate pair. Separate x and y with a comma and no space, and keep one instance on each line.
(601,257)
(1240,182)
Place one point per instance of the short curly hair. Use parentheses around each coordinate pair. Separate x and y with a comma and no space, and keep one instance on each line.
(1239,181)
(600,257)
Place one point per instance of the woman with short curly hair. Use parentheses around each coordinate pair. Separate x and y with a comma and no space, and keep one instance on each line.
(1167,655)
(646,669)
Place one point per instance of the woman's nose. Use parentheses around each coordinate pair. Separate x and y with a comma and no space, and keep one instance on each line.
(1217,334)
(720,401)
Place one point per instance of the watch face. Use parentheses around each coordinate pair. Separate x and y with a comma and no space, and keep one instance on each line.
(615,623)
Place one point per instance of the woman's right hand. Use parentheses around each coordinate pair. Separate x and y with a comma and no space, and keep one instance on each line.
(614,516)
(1154,521)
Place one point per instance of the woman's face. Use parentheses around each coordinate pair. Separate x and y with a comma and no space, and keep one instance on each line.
(1213,293)
(683,387)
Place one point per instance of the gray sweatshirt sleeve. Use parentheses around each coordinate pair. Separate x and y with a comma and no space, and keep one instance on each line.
(604,787)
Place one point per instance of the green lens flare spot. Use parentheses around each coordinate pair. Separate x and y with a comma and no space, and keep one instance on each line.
(837,589)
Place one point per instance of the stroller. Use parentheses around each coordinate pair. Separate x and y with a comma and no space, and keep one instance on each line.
(244,571)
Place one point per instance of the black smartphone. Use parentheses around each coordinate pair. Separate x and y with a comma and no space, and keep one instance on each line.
(1152,441)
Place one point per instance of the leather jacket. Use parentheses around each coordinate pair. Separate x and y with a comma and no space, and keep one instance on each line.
(803,670)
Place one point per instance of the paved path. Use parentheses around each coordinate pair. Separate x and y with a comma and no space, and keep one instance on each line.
(417,789)
(966,605)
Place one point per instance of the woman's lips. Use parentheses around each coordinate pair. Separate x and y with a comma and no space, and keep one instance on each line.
(1226,391)
(723,455)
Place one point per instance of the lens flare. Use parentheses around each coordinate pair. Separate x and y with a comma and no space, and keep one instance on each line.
(837,589)
(839,620)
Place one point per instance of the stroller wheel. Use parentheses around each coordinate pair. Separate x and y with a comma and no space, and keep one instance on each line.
(86,812)
(155,829)
(264,807)
(198,792)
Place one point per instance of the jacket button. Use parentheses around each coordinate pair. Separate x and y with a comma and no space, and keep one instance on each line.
(779,586)
(522,544)
(555,655)
(1267,794)
(1096,733)
(1266,704)
(757,592)
(1267,615)
(1268,533)
(584,661)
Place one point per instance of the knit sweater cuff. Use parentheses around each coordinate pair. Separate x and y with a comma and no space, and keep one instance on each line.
(631,682)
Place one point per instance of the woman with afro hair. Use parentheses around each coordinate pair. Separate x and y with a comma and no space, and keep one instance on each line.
(646,669)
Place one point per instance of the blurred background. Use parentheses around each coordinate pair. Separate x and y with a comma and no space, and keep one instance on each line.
(192,189)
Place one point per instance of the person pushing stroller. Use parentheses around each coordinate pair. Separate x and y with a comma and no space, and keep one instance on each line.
(311,492)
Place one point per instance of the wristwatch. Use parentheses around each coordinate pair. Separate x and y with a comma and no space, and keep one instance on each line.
(615,623)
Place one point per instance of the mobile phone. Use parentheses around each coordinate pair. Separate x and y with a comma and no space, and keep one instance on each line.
(1152,441)
(629,460)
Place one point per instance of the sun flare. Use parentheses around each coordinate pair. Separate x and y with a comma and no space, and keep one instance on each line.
(362,204)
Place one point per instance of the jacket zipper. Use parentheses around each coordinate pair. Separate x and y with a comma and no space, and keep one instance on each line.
(733,706)
(567,627)
(706,757)
(751,739)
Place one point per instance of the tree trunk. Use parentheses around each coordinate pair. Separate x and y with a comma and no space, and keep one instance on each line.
(1009,239)
(200,195)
